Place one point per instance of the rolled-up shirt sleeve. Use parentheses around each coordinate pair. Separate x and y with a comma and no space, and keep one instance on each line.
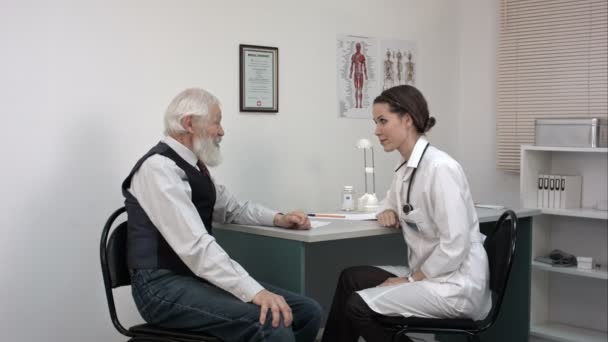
(163,192)
(228,209)
(451,216)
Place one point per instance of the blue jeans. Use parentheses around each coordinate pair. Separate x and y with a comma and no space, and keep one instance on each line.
(175,301)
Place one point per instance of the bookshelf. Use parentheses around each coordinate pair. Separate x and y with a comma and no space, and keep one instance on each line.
(587,213)
(594,273)
(567,333)
(568,304)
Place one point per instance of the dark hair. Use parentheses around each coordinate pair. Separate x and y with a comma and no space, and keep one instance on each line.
(405,99)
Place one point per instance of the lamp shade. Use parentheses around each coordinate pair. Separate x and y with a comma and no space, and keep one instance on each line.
(364,143)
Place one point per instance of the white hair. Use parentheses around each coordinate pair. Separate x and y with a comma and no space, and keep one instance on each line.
(192,101)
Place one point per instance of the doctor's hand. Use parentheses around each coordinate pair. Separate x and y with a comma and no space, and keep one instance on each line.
(276,304)
(388,218)
(292,220)
(393,281)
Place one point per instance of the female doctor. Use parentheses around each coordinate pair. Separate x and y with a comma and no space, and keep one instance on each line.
(429,199)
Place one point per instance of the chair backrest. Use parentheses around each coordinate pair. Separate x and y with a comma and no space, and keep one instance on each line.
(117,256)
(500,247)
(113,255)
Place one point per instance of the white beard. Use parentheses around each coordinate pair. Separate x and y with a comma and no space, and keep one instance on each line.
(208,150)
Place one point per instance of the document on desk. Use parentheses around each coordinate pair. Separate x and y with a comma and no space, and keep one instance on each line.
(489,206)
(361,217)
(317,224)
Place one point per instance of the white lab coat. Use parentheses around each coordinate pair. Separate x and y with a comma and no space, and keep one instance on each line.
(443,239)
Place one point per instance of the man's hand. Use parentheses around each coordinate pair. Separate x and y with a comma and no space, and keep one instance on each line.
(393,281)
(277,305)
(388,218)
(292,220)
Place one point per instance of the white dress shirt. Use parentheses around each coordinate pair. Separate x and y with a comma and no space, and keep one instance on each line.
(443,239)
(163,191)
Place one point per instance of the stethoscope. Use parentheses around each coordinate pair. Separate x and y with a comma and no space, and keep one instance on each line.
(407,207)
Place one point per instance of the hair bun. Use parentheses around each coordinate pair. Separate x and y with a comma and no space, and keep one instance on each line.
(430,122)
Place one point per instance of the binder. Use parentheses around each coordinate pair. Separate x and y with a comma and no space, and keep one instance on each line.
(539,192)
(551,191)
(545,191)
(558,192)
(571,192)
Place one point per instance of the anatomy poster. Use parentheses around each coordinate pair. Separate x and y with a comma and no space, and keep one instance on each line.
(366,66)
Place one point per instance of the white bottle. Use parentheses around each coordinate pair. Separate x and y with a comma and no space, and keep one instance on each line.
(348,202)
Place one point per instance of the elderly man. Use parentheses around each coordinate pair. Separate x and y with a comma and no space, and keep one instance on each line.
(181,277)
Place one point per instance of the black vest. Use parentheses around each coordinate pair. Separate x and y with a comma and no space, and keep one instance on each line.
(146,248)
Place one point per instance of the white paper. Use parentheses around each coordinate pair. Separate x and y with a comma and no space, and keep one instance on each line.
(259,78)
(360,217)
(317,224)
(489,206)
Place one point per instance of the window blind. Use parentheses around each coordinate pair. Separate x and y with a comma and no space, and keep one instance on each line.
(552,63)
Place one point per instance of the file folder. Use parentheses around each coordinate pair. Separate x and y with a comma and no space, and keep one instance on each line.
(571,192)
(539,192)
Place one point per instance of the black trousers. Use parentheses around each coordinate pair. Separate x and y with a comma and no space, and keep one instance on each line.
(350,317)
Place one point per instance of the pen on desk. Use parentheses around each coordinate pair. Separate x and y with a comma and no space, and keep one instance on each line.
(327,215)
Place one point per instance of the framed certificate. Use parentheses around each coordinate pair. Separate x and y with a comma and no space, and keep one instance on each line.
(259,78)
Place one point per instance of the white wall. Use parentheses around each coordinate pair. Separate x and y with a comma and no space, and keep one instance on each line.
(83,88)
(476,143)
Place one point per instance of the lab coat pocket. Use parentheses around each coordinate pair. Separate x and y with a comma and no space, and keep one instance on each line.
(414,220)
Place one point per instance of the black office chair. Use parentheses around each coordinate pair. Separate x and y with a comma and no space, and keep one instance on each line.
(500,247)
(113,252)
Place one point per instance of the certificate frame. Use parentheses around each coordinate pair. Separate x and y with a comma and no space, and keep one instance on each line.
(258,78)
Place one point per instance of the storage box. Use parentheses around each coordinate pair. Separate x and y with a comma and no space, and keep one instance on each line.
(585,263)
(590,132)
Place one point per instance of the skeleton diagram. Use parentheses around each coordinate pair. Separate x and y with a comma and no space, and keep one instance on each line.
(410,77)
(388,71)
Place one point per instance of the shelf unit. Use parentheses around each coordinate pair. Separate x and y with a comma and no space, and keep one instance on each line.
(595,273)
(568,304)
(585,213)
(566,149)
(567,333)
